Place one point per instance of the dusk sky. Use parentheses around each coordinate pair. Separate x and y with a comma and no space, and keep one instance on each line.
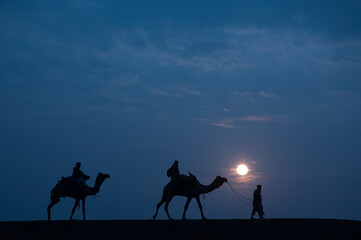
(127,87)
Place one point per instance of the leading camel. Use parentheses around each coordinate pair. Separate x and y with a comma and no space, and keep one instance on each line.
(191,188)
(74,190)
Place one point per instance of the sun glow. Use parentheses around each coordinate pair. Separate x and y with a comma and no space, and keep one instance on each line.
(242,169)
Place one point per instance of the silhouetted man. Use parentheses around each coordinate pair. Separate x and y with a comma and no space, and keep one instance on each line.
(257,203)
(78,173)
(79,177)
(173,172)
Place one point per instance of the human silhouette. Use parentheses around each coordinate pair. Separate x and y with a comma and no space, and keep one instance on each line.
(78,173)
(257,203)
(192,189)
(66,188)
(173,172)
(77,177)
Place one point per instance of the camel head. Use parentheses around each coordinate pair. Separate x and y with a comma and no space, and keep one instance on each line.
(101,177)
(220,180)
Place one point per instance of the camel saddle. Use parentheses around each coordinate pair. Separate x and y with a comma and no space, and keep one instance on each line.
(188,181)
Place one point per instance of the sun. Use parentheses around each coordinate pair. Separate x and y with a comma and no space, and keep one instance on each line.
(242,169)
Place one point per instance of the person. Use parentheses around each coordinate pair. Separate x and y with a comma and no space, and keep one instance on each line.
(173,172)
(257,203)
(78,173)
(79,177)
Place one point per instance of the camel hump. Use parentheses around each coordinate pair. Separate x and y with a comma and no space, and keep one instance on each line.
(189,181)
(66,180)
(72,182)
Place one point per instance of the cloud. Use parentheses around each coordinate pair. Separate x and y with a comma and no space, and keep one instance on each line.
(162,117)
(253,96)
(266,95)
(157,91)
(264,118)
(244,94)
(224,123)
(114,89)
(176,90)
(202,50)
(179,95)
(128,79)
(229,49)
(244,31)
(226,109)
(348,59)
(253,119)
(185,89)
(341,95)
(113,95)
(236,122)
(259,93)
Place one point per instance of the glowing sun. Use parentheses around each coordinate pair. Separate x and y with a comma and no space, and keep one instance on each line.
(242,169)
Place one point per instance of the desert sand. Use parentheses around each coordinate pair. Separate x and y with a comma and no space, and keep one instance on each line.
(190,229)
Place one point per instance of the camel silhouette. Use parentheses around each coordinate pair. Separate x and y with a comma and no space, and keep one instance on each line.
(73,190)
(192,189)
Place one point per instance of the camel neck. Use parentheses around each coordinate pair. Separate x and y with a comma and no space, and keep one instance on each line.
(210,187)
(94,190)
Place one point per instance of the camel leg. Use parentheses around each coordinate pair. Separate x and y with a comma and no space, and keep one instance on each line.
(73,210)
(186,207)
(52,203)
(83,205)
(200,207)
(166,210)
(158,206)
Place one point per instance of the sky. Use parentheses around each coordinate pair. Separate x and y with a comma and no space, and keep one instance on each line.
(127,87)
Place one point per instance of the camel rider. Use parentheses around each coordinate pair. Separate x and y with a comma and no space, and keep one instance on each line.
(78,173)
(79,176)
(173,173)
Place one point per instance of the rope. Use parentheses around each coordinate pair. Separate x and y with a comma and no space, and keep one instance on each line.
(239,193)
(240,196)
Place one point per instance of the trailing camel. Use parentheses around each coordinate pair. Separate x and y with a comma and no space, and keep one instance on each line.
(78,190)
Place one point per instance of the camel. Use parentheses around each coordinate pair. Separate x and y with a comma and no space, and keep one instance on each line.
(74,190)
(192,189)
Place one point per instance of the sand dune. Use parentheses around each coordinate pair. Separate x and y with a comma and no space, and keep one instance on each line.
(191,229)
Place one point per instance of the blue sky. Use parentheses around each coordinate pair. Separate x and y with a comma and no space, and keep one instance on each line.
(127,87)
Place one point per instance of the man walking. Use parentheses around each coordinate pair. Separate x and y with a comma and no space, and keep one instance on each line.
(257,203)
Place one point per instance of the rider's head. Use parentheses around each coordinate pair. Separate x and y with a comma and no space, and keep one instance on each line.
(78,164)
(176,162)
(259,186)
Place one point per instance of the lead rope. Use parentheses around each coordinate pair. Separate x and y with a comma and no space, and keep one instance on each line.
(240,196)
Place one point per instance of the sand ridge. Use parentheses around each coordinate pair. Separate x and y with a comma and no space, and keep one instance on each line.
(190,229)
